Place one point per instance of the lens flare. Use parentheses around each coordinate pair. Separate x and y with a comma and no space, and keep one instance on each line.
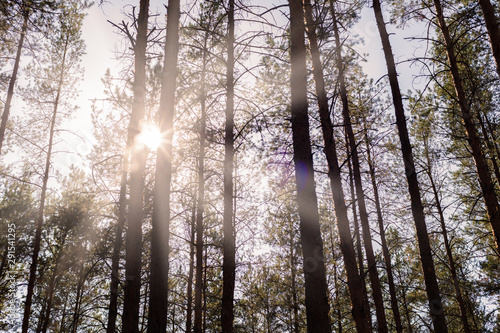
(150,136)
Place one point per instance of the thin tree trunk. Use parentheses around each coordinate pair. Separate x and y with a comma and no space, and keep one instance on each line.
(407,311)
(189,309)
(357,234)
(50,289)
(229,263)
(133,241)
(304,160)
(78,301)
(201,196)
(492,27)
(293,273)
(385,248)
(158,301)
(41,208)
(365,224)
(432,288)
(338,312)
(449,254)
(13,78)
(117,246)
(487,186)
(317,308)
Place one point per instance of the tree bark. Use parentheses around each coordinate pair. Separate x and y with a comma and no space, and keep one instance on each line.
(432,288)
(13,78)
(158,301)
(385,248)
(487,186)
(115,259)
(357,234)
(317,307)
(304,174)
(492,27)
(229,249)
(365,225)
(41,208)
(133,241)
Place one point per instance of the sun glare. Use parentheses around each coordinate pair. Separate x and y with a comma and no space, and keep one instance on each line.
(150,136)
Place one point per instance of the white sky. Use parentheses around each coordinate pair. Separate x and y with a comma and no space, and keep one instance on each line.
(101,41)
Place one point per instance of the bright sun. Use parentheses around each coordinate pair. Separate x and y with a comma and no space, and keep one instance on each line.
(150,136)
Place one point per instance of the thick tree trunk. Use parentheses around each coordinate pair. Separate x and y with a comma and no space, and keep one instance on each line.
(304,172)
(158,300)
(432,288)
(487,186)
(13,78)
(317,307)
(385,248)
(492,27)
(41,208)
(133,242)
(293,273)
(201,195)
(229,249)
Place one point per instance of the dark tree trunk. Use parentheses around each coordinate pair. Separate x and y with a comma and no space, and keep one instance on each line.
(317,307)
(304,172)
(487,186)
(117,246)
(13,78)
(492,27)
(357,234)
(365,225)
(385,248)
(41,208)
(133,242)
(432,288)
(229,249)
(158,300)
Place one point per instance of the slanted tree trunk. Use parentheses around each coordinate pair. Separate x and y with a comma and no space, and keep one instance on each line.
(133,241)
(447,246)
(357,234)
(492,27)
(41,208)
(365,225)
(13,78)
(487,186)
(383,241)
(303,165)
(160,235)
(117,246)
(201,194)
(317,307)
(229,249)
(51,286)
(491,147)
(431,285)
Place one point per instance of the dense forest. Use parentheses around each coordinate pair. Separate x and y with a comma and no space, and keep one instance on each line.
(246,173)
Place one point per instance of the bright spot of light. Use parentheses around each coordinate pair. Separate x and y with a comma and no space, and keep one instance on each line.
(150,136)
